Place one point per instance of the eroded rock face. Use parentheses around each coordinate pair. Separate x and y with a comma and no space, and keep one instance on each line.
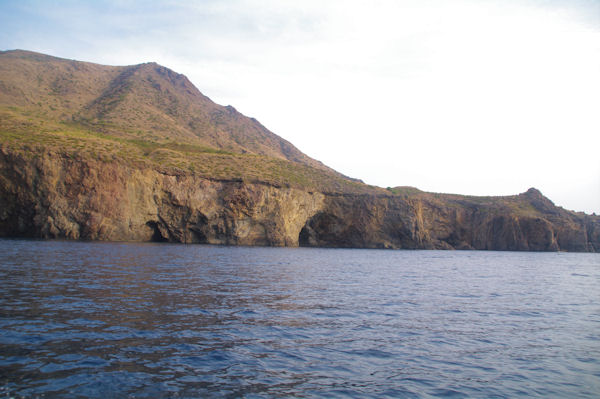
(401,222)
(57,197)
(54,196)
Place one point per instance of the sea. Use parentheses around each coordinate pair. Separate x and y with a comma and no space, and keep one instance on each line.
(144,320)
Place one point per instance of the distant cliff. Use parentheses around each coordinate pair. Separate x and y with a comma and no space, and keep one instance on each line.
(90,152)
(528,222)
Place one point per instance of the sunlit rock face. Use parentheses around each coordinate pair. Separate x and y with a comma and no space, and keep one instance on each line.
(56,197)
(428,221)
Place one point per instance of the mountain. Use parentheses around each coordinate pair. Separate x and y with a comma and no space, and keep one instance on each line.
(144,112)
(146,101)
(138,153)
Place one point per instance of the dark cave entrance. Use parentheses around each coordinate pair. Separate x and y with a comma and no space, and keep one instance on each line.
(156,234)
(304,238)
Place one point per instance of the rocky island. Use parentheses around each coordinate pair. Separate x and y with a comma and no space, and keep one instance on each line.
(137,153)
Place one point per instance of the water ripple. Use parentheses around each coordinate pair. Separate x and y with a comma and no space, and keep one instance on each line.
(103,320)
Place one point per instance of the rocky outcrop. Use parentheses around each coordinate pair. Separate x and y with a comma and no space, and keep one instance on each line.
(57,196)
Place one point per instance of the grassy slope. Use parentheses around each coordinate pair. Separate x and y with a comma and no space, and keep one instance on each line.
(30,134)
(146,116)
(531,204)
(145,102)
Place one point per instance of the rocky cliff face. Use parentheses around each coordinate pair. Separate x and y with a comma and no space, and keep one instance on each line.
(433,223)
(56,196)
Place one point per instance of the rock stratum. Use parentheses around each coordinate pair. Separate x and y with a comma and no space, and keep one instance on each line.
(137,153)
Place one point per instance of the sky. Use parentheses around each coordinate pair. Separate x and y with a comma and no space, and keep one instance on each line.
(479,97)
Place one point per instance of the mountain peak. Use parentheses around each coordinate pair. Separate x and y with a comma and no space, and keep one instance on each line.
(532,191)
(538,200)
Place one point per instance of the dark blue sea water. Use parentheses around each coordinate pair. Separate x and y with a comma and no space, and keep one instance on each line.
(103,320)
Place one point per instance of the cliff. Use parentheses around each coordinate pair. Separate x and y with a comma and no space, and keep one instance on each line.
(528,222)
(56,196)
(90,152)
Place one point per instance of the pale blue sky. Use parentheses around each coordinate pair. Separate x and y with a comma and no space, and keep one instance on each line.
(465,96)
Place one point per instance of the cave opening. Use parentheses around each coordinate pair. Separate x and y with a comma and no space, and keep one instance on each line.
(198,237)
(304,237)
(156,234)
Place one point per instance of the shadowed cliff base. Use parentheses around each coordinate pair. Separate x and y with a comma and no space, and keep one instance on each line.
(137,153)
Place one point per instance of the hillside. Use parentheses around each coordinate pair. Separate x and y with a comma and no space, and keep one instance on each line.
(144,114)
(139,102)
(138,153)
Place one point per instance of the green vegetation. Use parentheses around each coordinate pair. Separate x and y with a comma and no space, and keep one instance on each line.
(25,133)
(404,190)
(147,116)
